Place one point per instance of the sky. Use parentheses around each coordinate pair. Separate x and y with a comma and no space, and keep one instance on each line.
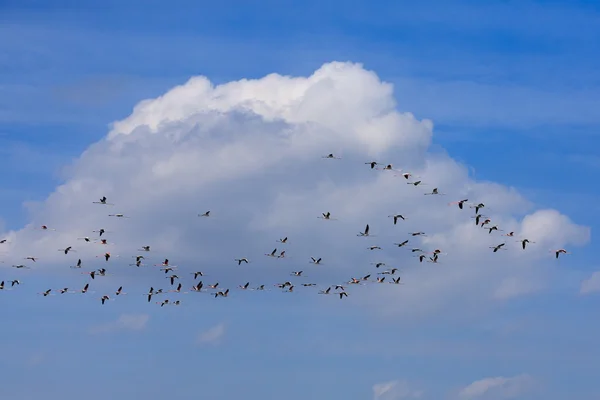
(174,108)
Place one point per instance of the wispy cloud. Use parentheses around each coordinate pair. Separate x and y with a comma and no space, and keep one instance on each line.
(212,336)
(591,284)
(497,388)
(126,322)
(395,390)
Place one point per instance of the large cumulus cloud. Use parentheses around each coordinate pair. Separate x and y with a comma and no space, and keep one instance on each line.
(250,151)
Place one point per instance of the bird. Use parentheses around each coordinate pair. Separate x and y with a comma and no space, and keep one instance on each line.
(379,264)
(388,167)
(493,228)
(459,202)
(498,247)
(178,289)
(372,164)
(103,201)
(242,260)
(117,215)
(172,279)
(271,254)
(435,191)
(558,252)
(104,298)
(524,242)
(66,250)
(326,216)
(477,218)
(315,261)
(206,214)
(400,216)
(477,207)
(365,233)
(402,244)
(100,232)
(284,240)
(331,156)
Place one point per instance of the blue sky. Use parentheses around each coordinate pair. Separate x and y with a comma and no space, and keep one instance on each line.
(511,87)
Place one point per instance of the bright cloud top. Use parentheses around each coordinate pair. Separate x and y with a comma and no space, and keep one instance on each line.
(251,150)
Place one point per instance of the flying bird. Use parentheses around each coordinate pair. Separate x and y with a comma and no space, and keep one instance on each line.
(365,233)
(396,217)
(459,202)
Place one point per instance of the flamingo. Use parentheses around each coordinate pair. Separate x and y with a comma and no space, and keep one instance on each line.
(103,201)
(435,192)
(117,215)
(559,252)
(524,242)
(396,216)
(327,216)
(365,233)
(459,202)
(498,247)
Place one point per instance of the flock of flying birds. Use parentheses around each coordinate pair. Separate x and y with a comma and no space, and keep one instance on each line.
(384,276)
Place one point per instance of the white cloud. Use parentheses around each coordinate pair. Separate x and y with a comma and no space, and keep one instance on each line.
(250,151)
(395,390)
(126,322)
(497,388)
(591,284)
(212,336)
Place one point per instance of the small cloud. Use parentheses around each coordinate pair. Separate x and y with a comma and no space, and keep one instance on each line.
(497,388)
(212,336)
(126,322)
(591,284)
(395,390)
